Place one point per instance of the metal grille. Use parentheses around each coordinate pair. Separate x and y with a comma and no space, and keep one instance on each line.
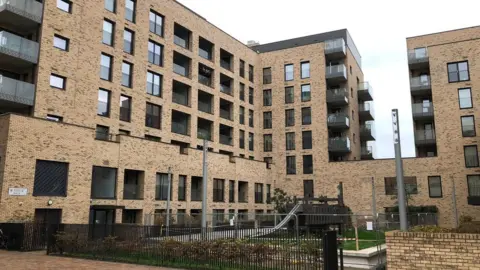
(50,178)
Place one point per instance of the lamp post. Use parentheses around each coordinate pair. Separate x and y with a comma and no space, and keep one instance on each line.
(204,182)
(402,209)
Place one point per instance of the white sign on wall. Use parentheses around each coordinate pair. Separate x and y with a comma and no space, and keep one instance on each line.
(17,191)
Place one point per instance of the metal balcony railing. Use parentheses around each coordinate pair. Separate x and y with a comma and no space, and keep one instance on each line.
(418,55)
(180,70)
(365,91)
(131,192)
(204,54)
(366,151)
(336,71)
(338,120)
(425,137)
(366,132)
(204,80)
(180,41)
(180,128)
(420,82)
(225,64)
(19,47)
(30,9)
(16,91)
(226,89)
(337,96)
(225,139)
(422,110)
(339,144)
(204,134)
(335,45)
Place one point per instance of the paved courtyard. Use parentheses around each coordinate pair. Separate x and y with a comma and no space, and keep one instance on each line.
(12,260)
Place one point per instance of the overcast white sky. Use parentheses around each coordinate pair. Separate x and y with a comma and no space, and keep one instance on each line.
(379,29)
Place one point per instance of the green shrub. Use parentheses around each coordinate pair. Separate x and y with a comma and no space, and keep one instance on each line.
(469,227)
(465,219)
(430,229)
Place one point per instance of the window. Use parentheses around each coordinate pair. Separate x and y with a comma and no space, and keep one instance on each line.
(267,75)
(128,41)
(250,141)
(308,189)
(353,115)
(473,185)
(250,73)
(108,32)
(161,187)
(290,140)
(291,165)
(60,42)
(104,183)
(306,139)
(268,160)
(471,156)
(267,97)
(241,139)
(289,118)
(250,118)
(242,92)
(351,92)
(127,74)
(130,6)
(258,193)
(123,132)
(306,116)
(267,143)
(289,94)
(250,95)
(465,98)
(153,138)
(155,53)
(468,126)
(306,95)
(267,120)
(103,107)
(110,5)
(102,133)
(57,81)
(156,23)
(231,191)
(350,70)
(242,68)
(269,194)
(458,72)
(106,67)
(305,70)
(65,5)
(154,84)
(51,179)
(242,115)
(289,72)
(218,190)
(435,186)
(410,185)
(125,108)
(205,49)
(152,118)
(54,118)
(307,164)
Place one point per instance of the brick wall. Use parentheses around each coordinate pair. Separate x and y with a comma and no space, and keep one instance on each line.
(407,250)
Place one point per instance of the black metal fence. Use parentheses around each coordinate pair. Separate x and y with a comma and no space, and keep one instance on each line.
(24,236)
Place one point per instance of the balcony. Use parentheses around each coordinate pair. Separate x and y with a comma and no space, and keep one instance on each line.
(339,145)
(180,123)
(15,93)
(338,121)
(365,112)
(366,132)
(420,86)
(226,60)
(205,75)
(226,84)
(21,15)
(181,36)
(205,102)
(226,135)
(336,73)
(204,129)
(364,91)
(418,58)
(205,49)
(425,137)
(335,48)
(366,153)
(422,111)
(181,64)
(16,52)
(337,97)
(226,109)
(180,93)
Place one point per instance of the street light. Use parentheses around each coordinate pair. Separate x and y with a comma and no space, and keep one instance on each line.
(402,209)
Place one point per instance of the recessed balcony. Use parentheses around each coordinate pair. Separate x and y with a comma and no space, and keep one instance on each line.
(16,52)
(366,153)
(337,97)
(364,91)
(21,15)
(338,121)
(421,85)
(339,145)
(425,137)
(422,111)
(336,73)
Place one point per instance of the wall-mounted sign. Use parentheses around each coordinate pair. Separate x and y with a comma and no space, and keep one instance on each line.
(17,191)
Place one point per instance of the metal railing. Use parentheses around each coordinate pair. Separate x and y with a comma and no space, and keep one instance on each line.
(225,139)
(365,86)
(180,70)
(425,136)
(180,41)
(366,151)
(366,130)
(415,56)
(336,71)
(204,106)
(225,114)
(335,45)
(204,54)
(16,91)
(225,89)
(27,8)
(422,109)
(18,47)
(204,80)
(225,64)
(180,128)
(337,95)
(420,82)
(204,134)
(338,119)
(131,192)
(340,144)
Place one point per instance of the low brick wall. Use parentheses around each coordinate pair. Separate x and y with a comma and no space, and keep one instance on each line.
(414,250)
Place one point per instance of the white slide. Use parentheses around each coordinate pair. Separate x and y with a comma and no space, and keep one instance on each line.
(282,223)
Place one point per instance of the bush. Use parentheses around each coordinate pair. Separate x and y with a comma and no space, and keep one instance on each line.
(430,229)
(469,227)
(465,219)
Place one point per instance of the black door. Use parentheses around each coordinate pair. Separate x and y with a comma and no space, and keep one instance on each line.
(101,223)
(46,223)
(48,216)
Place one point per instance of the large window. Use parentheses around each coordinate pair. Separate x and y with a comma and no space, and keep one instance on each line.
(473,185)
(435,186)
(471,156)
(218,190)
(130,6)
(308,189)
(153,116)
(410,185)
(267,97)
(250,95)
(154,84)
(108,32)
(241,92)
(306,139)
(127,74)
(269,194)
(103,106)
(50,178)
(242,115)
(290,141)
(458,72)
(250,118)
(106,67)
(306,95)
(156,23)
(267,142)
(125,108)
(267,75)
(250,142)
(267,120)
(104,183)
(289,72)
(161,187)
(128,41)
(307,164)
(289,118)
(291,165)
(231,191)
(251,73)
(102,133)
(305,69)
(258,193)
(289,95)
(468,126)
(241,139)
(155,53)
(465,98)
(306,116)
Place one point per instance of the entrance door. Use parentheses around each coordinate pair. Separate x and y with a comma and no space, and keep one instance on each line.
(48,216)
(101,222)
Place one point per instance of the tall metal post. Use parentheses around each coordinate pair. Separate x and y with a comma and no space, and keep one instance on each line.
(204,191)
(402,208)
(168,199)
(374,200)
(454,201)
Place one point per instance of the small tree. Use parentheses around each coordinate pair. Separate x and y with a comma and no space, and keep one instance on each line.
(281,200)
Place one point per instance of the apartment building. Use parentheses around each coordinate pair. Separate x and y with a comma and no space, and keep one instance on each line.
(100,99)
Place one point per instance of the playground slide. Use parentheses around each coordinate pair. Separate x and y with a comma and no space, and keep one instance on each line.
(282,223)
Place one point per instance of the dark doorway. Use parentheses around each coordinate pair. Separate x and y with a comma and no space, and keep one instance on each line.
(101,222)
(48,216)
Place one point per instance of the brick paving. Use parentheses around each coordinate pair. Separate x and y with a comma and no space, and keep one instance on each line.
(12,260)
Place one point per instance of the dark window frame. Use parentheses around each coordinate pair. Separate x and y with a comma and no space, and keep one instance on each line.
(129,98)
(109,102)
(112,38)
(301,69)
(287,122)
(132,43)
(159,115)
(474,129)
(267,124)
(304,142)
(110,68)
(160,90)
(134,11)
(304,109)
(269,149)
(69,3)
(468,186)
(476,151)
(471,100)
(114,10)
(64,81)
(156,44)
(67,42)
(267,98)
(458,71)
(307,170)
(441,188)
(285,72)
(115,182)
(155,23)
(130,75)
(293,168)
